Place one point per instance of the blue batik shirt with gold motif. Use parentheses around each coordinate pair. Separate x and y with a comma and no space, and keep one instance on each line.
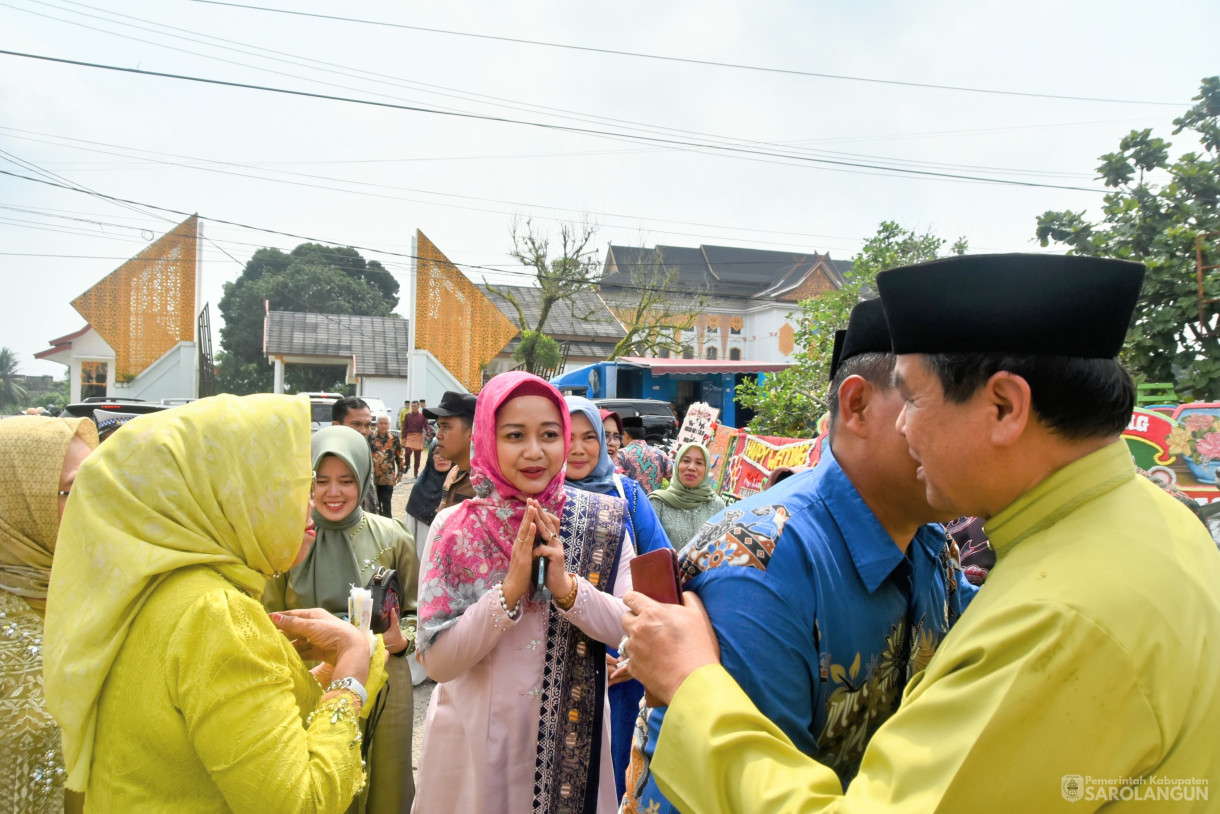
(821,618)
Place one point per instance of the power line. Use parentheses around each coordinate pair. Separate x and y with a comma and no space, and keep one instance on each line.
(369,184)
(691,61)
(736,150)
(294,59)
(331,67)
(295,236)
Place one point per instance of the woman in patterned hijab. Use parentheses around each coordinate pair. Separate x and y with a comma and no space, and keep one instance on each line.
(38,458)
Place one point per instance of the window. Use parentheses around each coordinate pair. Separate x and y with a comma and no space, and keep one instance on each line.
(688,353)
(711,353)
(735,354)
(735,330)
(93,379)
(663,353)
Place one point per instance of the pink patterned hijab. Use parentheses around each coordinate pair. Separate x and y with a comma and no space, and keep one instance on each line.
(472,545)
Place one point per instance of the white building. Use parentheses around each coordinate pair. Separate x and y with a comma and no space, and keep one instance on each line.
(750,296)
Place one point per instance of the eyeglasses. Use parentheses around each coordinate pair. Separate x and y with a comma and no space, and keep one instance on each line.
(614,436)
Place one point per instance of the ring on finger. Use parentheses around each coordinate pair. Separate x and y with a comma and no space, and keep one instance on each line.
(622,664)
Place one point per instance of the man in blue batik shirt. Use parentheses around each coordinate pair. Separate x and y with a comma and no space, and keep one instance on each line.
(830,590)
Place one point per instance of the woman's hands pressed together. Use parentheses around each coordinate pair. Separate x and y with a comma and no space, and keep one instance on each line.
(538,525)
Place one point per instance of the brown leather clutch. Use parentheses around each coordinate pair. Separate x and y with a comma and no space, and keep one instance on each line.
(655,575)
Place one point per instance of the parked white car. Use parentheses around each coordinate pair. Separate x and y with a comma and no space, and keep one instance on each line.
(378,409)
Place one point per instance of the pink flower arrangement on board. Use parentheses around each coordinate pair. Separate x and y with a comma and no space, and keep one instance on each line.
(1197,439)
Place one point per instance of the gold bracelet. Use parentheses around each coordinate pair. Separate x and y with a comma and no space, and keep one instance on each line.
(566,601)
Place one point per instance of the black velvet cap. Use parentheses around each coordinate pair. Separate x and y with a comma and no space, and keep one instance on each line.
(867,332)
(453,403)
(1036,304)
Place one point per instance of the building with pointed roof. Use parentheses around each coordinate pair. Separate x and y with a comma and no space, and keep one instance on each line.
(746,296)
(584,324)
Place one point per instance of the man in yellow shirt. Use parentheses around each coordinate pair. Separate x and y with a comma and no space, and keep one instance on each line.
(1086,669)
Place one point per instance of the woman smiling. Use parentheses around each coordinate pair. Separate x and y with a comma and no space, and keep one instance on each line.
(590,468)
(518,721)
(687,503)
(351,544)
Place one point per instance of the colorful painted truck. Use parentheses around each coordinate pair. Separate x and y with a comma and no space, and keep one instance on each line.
(1179,447)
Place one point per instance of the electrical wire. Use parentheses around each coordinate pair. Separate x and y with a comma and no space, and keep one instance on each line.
(691,61)
(524,204)
(533,275)
(294,59)
(717,148)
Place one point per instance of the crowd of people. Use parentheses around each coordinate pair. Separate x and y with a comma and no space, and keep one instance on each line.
(179,629)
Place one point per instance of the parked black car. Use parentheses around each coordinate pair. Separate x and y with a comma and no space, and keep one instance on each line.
(660,423)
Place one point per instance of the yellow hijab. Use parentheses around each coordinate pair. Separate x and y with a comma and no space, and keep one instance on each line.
(222,482)
(32,452)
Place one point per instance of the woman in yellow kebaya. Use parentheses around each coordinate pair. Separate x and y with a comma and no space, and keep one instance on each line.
(173,687)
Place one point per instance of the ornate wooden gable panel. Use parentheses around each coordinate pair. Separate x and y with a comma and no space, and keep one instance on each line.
(147,305)
(454,321)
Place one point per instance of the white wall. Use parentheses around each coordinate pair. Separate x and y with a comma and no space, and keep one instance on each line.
(761,330)
(429,379)
(171,376)
(390,389)
(89,347)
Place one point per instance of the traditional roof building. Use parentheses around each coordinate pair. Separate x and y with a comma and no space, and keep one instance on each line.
(375,350)
(746,296)
(584,324)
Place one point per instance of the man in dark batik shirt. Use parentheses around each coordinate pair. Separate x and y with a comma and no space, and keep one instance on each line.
(388,464)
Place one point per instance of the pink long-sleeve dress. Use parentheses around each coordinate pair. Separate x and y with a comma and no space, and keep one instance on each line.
(481,733)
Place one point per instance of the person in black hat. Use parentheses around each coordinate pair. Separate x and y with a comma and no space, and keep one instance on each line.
(454,420)
(1087,667)
(824,588)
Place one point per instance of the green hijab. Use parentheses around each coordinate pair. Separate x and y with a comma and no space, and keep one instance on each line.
(680,496)
(325,577)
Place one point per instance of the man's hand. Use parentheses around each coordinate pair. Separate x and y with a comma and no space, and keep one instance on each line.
(666,643)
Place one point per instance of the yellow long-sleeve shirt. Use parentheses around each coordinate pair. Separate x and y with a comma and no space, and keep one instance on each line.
(204,710)
(1086,669)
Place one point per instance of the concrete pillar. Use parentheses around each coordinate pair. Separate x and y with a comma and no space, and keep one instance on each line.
(279,375)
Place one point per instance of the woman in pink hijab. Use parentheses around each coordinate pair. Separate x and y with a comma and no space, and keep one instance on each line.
(518,721)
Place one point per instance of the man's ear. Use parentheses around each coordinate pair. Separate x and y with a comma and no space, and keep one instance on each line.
(1010,406)
(854,395)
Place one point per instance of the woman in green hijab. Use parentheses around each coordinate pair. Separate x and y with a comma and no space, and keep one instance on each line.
(351,544)
(686,504)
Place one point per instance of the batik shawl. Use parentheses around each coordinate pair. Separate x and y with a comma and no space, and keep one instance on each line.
(574,676)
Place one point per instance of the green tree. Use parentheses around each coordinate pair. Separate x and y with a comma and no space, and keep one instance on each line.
(561,275)
(312,279)
(1156,220)
(539,350)
(790,402)
(12,392)
(57,396)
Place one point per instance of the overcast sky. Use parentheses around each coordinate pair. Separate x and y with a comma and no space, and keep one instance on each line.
(368,176)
